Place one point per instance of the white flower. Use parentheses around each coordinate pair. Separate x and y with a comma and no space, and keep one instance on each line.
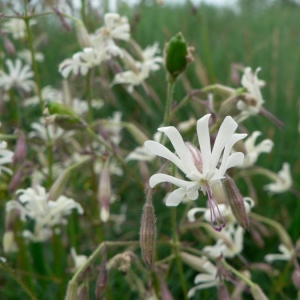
(6,157)
(116,27)
(149,59)
(17,27)
(142,153)
(114,127)
(79,260)
(287,254)
(282,181)
(253,151)
(18,76)
(251,82)
(49,93)
(206,280)
(224,209)
(34,204)
(229,244)
(40,131)
(26,56)
(132,78)
(200,167)
(81,62)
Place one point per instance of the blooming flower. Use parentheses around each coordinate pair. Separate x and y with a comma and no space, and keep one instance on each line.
(18,76)
(200,167)
(287,254)
(116,27)
(229,244)
(26,56)
(81,62)
(253,151)
(251,82)
(149,59)
(6,157)
(282,181)
(34,204)
(17,27)
(132,78)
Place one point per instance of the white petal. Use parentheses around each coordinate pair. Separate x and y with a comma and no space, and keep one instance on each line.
(234,160)
(159,178)
(234,138)
(204,142)
(158,149)
(180,148)
(175,197)
(191,213)
(226,131)
(204,278)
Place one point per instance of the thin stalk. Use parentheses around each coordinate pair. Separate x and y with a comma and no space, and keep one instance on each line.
(118,157)
(16,277)
(283,235)
(97,252)
(89,95)
(83,11)
(167,116)
(176,251)
(26,19)
(237,273)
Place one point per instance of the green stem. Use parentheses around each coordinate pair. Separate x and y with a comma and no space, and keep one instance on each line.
(39,89)
(16,277)
(176,252)
(283,235)
(83,12)
(237,273)
(167,116)
(89,96)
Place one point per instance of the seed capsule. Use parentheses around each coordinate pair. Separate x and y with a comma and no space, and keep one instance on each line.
(148,234)
(236,202)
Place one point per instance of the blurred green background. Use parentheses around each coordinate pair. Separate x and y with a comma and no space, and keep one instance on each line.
(257,33)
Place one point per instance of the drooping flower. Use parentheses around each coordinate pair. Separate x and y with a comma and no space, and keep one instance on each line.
(6,157)
(205,280)
(19,76)
(201,167)
(46,214)
(252,106)
(286,254)
(79,260)
(253,151)
(282,180)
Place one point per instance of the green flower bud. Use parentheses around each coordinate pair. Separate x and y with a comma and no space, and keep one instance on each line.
(176,53)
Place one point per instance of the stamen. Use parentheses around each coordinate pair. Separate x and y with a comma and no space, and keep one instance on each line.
(216,218)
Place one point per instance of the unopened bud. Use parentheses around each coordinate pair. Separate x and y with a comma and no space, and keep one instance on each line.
(148,232)
(82,35)
(104,193)
(20,150)
(176,53)
(137,133)
(9,46)
(102,279)
(296,279)
(196,262)
(83,291)
(165,292)
(223,293)
(72,291)
(236,202)
(9,242)
(257,293)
